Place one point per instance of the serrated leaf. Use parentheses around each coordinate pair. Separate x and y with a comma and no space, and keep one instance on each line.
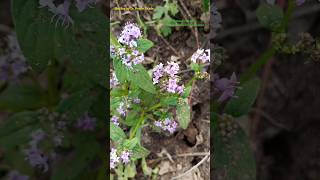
(245,97)
(183,113)
(139,152)
(22,97)
(18,121)
(122,72)
(169,101)
(270,16)
(42,41)
(76,105)
(129,144)
(143,45)
(158,12)
(173,8)
(142,79)
(116,133)
(78,163)
(132,118)
(130,170)
(233,155)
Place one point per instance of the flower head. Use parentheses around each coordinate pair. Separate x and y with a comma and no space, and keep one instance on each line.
(86,123)
(115,120)
(201,56)
(172,69)
(122,109)
(36,158)
(114,158)
(61,13)
(114,80)
(226,86)
(15,175)
(167,125)
(125,157)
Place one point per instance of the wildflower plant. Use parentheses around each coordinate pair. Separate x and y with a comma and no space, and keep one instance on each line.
(233,96)
(157,98)
(53,86)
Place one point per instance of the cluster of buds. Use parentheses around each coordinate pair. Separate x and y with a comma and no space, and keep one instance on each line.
(167,125)
(115,159)
(128,53)
(167,78)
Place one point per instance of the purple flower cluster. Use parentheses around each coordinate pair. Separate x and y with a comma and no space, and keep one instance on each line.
(167,125)
(86,123)
(201,56)
(166,77)
(226,86)
(136,100)
(15,175)
(129,35)
(61,11)
(128,54)
(12,63)
(123,108)
(114,82)
(34,155)
(115,120)
(115,159)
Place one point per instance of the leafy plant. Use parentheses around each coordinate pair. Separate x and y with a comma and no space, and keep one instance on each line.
(158,99)
(56,112)
(164,17)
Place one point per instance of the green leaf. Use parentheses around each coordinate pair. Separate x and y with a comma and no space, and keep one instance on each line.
(132,118)
(72,166)
(270,16)
(129,144)
(158,12)
(245,98)
(121,70)
(139,152)
(146,170)
(18,121)
(18,138)
(169,101)
(82,43)
(144,45)
(173,8)
(233,158)
(130,170)
(116,133)
(142,79)
(21,97)
(165,25)
(77,104)
(183,113)
(186,92)
(206,5)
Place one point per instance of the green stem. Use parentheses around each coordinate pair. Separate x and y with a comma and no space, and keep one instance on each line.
(53,92)
(137,126)
(154,107)
(267,55)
